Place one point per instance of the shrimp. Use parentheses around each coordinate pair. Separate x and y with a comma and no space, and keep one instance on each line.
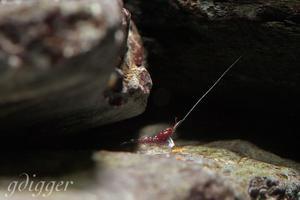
(165,136)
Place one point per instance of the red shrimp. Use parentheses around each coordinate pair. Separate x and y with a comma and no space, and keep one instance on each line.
(165,136)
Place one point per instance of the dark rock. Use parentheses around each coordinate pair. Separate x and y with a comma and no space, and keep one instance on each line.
(56,60)
(192,42)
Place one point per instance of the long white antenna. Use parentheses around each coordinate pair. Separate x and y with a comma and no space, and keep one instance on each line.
(200,99)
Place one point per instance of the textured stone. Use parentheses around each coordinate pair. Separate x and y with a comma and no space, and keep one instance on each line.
(56,61)
(241,164)
(131,83)
(219,170)
(192,41)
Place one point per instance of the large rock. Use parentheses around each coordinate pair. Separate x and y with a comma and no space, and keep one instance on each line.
(193,42)
(56,62)
(228,170)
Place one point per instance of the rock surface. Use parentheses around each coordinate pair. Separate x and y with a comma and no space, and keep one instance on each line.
(56,60)
(219,170)
(193,41)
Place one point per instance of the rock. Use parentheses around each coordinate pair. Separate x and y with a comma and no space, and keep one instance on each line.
(191,42)
(56,61)
(268,188)
(252,172)
(131,83)
(218,170)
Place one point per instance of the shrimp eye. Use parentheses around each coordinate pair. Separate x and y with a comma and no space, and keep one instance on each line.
(168,130)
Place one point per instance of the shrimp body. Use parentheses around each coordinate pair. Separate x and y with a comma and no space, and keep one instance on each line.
(161,137)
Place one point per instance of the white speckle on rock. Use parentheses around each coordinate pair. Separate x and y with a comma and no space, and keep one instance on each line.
(119,36)
(95,8)
(14,61)
(207,6)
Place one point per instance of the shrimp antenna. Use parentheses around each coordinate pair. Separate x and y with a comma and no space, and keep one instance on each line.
(202,97)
